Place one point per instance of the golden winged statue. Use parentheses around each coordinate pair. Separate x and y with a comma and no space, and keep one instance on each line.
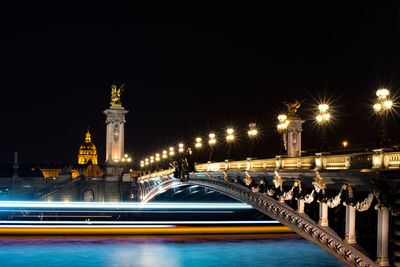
(116,95)
(292,107)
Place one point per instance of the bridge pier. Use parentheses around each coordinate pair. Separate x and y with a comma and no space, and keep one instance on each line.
(323,214)
(350,225)
(383,237)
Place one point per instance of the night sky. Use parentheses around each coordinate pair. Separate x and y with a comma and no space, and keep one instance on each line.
(190,69)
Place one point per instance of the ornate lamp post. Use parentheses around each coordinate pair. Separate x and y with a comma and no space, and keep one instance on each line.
(381,107)
(171,152)
(322,118)
(146,163)
(181,148)
(125,160)
(198,145)
(211,142)
(151,163)
(282,129)
(230,137)
(252,132)
(157,159)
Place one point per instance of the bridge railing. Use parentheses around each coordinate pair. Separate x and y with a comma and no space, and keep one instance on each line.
(156,174)
(377,159)
(319,162)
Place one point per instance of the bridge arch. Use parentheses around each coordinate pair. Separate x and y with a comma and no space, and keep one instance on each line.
(324,237)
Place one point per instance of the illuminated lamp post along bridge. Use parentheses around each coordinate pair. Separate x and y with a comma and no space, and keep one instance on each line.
(126,161)
(323,117)
(171,151)
(282,129)
(146,164)
(212,141)
(198,145)
(381,107)
(157,159)
(181,148)
(252,133)
(230,137)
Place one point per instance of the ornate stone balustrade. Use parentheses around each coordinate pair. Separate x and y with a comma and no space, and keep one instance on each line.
(155,174)
(368,160)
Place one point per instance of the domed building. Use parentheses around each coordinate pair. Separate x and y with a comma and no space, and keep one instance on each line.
(87,151)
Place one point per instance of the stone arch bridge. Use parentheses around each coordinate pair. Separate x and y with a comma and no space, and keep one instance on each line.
(345,204)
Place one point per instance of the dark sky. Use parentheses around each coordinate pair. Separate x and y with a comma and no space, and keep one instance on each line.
(189,69)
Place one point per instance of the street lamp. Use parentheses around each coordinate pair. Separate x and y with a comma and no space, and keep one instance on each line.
(146,163)
(157,159)
(230,137)
(164,154)
(345,143)
(282,128)
(180,148)
(211,142)
(126,158)
(252,132)
(323,117)
(171,151)
(381,107)
(198,143)
(142,164)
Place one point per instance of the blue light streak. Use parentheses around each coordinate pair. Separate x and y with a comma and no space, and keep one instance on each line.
(117,205)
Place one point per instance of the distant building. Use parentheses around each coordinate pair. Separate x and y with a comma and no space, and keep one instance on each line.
(87,162)
(87,151)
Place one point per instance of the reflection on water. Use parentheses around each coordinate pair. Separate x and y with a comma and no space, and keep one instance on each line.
(167,251)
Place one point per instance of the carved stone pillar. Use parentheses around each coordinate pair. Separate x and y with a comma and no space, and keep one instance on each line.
(383,237)
(292,138)
(323,214)
(115,134)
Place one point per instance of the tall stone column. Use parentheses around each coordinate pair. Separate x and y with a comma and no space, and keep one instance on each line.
(293,136)
(115,122)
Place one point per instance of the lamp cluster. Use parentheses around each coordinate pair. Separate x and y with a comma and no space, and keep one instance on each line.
(198,143)
(323,114)
(212,139)
(126,158)
(383,103)
(283,122)
(252,132)
(230,135)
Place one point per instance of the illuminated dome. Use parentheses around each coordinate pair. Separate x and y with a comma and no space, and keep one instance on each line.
(87,151)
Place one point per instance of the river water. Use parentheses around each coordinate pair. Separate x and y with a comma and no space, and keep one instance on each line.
(162,251)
